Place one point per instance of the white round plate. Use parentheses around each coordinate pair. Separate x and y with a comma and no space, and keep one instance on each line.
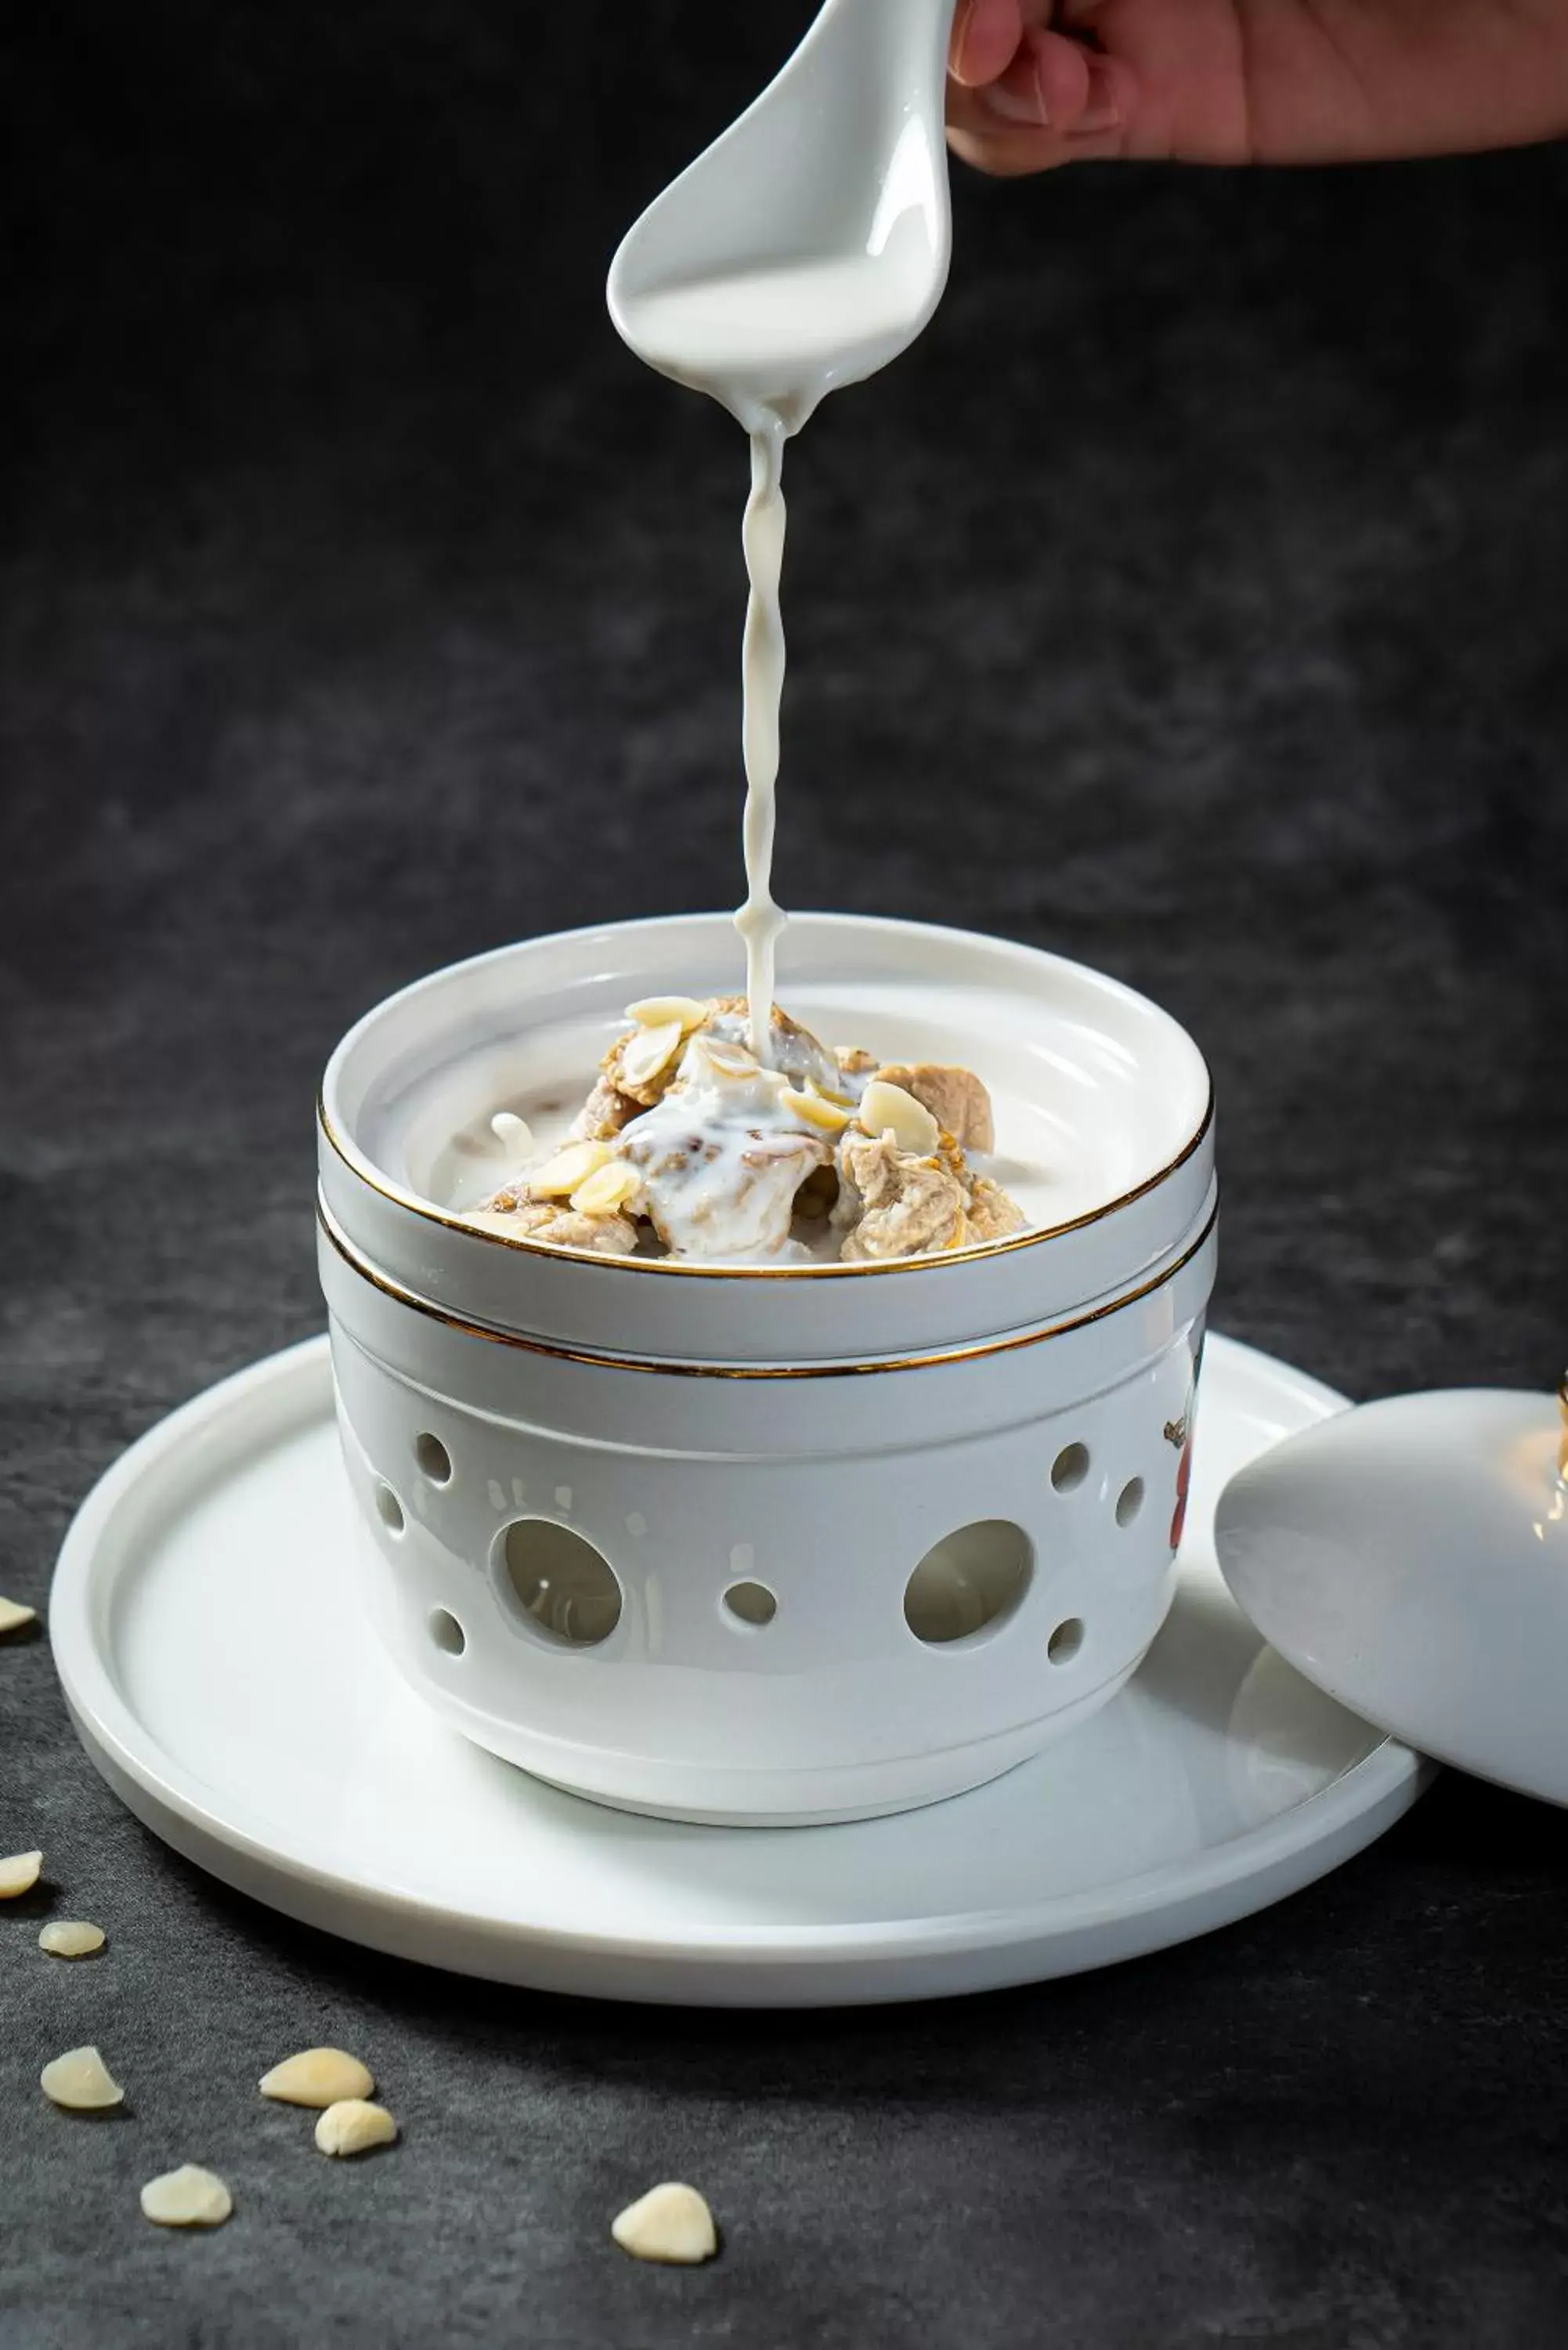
(217,1662)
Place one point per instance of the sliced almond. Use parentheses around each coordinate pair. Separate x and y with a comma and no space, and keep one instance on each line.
(729,1060)
(560,1176)
(658,1011)
(815,1109)
(187,2197)
(606,1189)
(670,2223)
(317,2076)
(352,2126)
(20,1874)
(80,2081)
(13,1615)
(889,1110)
(70,1937)
(643,1055)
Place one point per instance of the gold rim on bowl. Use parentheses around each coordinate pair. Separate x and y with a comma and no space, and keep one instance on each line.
(360,1167)
(402,1297)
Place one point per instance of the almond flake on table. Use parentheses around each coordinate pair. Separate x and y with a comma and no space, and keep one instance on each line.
(670,2224)
(71,1938)
(187,2197)
(81,2081)
(20,1874)
(354,2126)
(320,2077)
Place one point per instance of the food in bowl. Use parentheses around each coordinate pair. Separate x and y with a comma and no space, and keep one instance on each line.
(691,1146)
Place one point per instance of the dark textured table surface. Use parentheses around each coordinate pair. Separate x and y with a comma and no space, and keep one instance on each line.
(1192,600)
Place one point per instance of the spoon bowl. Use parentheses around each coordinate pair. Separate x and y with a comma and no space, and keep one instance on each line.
(808,245)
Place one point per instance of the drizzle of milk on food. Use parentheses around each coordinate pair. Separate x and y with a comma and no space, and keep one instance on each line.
(769,344)
(721,1157)
(794,1052)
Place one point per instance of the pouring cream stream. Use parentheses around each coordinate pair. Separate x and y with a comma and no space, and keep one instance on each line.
(760,920)
(806,247)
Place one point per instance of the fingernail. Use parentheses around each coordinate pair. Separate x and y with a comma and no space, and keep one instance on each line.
(1013,105)
(1101,110)
(960,36)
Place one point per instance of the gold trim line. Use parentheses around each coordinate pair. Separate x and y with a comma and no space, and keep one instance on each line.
(362,1172)
(417,1305)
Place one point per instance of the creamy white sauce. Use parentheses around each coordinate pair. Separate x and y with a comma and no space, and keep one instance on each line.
(773,342)
(794,1053)
(516,1137)
(721,1157)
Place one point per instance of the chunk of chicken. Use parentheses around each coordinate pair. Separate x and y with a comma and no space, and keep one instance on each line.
(856,1068)
(955,1097)
(554,1222)
(637,1093)
(892,1204)
(991,1213)
(605,1112)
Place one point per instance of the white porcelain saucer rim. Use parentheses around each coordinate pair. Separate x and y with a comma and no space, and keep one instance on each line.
(1363,1799)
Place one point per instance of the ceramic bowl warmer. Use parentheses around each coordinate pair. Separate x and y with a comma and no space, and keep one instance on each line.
(770,1546)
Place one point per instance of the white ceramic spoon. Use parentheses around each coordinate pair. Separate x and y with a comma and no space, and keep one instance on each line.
(1411,1558)
(809,244)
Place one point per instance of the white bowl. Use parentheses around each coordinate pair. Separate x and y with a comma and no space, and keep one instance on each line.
(648,1529)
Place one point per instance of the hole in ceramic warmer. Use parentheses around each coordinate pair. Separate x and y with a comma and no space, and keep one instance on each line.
(1070,1467)
(968,1581)
(565,1587)
(752,1603)
(434,1459)
(447,1632)
(1129,1500)
(1065,1641)
(389,1509)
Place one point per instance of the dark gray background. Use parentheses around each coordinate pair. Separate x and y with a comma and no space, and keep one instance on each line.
(1192,599)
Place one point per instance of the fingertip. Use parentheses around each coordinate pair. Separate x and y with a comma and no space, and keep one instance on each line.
(1062,78)
(1018,95)
(986,35)
(1109,99)
(1046,85)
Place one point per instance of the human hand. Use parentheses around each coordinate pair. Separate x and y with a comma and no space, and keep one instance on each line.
(1033,83)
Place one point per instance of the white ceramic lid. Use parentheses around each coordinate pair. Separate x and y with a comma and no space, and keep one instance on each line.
(1411,1558)
(1104,1128)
